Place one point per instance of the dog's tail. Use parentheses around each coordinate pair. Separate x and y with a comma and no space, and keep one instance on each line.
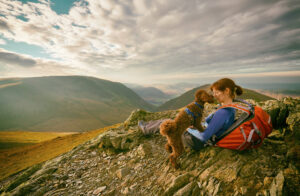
(167,127)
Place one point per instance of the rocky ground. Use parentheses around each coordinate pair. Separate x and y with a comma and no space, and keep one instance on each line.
(123,161)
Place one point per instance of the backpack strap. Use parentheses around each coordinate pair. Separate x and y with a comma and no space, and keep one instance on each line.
(248,113)
(249,109)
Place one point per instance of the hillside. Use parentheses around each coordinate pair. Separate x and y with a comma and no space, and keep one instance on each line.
(17,159)
(123,161)
(65,103)
(15,139)
(188,97)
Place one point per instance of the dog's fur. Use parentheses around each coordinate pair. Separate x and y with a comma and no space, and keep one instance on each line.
(173,129)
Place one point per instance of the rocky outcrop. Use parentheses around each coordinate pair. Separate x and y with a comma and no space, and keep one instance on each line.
(123,161)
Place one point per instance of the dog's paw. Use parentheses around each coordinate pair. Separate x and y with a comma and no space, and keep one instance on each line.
(176,165)
(169,148)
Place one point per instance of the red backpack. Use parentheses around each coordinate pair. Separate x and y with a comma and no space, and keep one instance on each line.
(248,131)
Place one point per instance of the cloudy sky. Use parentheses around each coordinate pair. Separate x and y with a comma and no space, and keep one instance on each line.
(151,41)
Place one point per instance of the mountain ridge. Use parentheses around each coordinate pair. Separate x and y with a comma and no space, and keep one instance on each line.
(65,103)
(78,103)
(188,97)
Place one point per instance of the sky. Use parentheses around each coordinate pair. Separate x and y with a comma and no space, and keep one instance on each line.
(152,41)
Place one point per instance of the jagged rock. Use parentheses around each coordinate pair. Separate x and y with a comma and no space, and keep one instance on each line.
(125,191)
(110,193)
(294,153)
(121,173)
(177,183)
(134,117)
(277,185)
(196,191)
(99,190)
(138,114)
(236,193)
(278,112)
(127,162)
(118,141)
(267,181)
(227,173)
(144,149)
(210,187)
(186,190)
(276,135)
(217,189)
(293,120)
(244,190)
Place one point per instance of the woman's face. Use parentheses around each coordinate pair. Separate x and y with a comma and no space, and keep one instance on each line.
(221,96)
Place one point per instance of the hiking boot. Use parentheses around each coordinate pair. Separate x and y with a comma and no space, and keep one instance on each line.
(141,125)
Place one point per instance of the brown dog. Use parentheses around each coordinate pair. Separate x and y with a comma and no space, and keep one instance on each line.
(191,116)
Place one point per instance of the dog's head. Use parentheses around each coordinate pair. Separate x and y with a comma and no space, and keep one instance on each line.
(203,96)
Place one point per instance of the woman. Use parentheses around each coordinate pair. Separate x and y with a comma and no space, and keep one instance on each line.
(224,90)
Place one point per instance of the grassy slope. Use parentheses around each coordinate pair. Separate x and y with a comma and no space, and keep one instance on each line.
(188,97)
(22,138)
(70,103)
(17,159)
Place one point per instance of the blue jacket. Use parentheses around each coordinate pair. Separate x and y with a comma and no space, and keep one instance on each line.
(218,122)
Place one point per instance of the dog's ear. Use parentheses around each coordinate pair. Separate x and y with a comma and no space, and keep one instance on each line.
(203,96)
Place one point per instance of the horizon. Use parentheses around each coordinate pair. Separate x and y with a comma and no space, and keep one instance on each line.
(148,42)
(275,90)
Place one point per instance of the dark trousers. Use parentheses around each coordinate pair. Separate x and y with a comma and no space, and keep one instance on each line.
(190,141)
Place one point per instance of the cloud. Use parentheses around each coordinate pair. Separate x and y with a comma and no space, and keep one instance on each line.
(154,39)
(2,42)
(16,59)
(3,25)
(13,64)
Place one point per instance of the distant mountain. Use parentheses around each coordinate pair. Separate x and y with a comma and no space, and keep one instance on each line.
(188,97)
(293,87)
(65,103)
(252,94)
(278,94)
(176,89)
(152,95)
(182,100)
(276,90)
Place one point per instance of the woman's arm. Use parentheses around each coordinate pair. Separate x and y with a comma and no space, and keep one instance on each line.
(215,125)
(208,119)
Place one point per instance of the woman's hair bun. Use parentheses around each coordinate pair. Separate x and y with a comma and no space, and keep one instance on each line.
(238,90)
